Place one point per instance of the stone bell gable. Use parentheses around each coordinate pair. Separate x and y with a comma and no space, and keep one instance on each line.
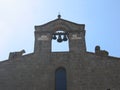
(75,33)
(76,69)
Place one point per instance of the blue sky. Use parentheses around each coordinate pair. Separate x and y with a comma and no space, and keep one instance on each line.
(18,18)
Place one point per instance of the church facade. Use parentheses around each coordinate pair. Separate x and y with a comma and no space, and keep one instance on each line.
(76,69)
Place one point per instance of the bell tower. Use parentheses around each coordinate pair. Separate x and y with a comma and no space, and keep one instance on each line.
(60,30)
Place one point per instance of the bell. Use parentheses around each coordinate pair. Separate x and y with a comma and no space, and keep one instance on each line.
(65,38)
(59,39)
(54,37)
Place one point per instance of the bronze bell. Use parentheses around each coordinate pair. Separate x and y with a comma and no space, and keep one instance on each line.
(54,37)
(59,39)
(65,38)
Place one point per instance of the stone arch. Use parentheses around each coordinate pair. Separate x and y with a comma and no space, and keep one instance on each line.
(61,67)
(62,46)
(60,25)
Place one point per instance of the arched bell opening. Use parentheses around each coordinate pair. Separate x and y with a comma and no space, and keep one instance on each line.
(60,41)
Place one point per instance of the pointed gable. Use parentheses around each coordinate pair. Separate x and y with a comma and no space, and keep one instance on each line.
(60,24)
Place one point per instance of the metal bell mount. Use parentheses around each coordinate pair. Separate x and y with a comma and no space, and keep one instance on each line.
(60,36)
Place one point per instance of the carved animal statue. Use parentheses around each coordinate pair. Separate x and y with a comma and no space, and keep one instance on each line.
(13,55)
(101,52)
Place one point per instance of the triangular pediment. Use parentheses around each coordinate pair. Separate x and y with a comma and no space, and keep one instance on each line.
(60,24)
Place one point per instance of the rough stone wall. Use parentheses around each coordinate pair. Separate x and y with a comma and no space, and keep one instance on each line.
(36,71)
(84,72)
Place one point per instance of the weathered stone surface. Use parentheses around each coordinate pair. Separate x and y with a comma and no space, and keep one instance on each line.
(36,71)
